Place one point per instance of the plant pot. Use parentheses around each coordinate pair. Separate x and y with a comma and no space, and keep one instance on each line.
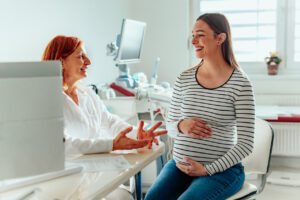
(273,69)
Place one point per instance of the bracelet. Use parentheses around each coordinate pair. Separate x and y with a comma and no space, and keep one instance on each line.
(178,126)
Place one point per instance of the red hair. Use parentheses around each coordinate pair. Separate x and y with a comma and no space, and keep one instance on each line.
(61,47)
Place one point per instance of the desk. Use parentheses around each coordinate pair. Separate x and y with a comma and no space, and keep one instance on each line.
(86,185)
(275,113)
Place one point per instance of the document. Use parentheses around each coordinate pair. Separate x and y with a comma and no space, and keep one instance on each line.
(267,112)
(112,163)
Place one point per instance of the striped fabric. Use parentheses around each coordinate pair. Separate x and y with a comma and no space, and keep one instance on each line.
(228,110)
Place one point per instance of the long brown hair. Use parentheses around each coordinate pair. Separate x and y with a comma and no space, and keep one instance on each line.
(219,24)
(61,47)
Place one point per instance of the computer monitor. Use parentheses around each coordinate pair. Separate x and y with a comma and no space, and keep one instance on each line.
(129,43)
(31,119)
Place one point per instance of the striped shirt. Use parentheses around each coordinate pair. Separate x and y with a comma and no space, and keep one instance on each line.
(227,109)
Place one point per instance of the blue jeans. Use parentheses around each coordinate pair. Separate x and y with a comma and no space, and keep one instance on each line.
(174,184)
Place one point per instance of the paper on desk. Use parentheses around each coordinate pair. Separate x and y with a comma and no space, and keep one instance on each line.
(113,163)
(289,110)
(267,112)
(273,112)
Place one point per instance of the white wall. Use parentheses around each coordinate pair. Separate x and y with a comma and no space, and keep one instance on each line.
(27,27)
(166,36)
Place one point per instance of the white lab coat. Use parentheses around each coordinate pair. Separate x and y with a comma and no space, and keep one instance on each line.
(89,127)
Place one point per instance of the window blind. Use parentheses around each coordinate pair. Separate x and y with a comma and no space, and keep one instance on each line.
(253,26)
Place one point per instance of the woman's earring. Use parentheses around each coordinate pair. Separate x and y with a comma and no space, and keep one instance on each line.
(65,87)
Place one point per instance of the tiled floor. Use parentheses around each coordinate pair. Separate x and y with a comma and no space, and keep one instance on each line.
(282,192)
(277,192)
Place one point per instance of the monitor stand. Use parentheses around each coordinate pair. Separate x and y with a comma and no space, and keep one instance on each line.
(124,79)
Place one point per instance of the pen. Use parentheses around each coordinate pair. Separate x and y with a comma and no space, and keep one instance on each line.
(27,194)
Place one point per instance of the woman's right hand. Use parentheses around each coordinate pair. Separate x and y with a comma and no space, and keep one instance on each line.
(122,142)
(195,127)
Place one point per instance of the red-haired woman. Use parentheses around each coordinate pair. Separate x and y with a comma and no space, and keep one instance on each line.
(89,128)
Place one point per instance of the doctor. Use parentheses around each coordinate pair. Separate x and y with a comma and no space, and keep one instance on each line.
(89,128)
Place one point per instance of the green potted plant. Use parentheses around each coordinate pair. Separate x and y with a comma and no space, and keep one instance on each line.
(273,62)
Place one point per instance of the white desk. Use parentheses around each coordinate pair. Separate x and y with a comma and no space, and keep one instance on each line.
(274,112)
(90,185)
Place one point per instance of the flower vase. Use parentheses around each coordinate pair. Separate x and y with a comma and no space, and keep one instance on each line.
(272,69)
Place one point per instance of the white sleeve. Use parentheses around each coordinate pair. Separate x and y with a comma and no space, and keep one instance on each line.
(75,145)
(112,123)
(109,126)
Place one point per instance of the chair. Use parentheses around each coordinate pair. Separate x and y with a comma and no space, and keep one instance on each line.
(258,161)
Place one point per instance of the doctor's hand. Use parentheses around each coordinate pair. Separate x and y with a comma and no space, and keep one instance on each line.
(149,134)
(194,127)
(192,168)
(122,142)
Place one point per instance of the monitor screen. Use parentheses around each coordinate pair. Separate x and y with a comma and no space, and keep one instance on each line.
(130,41)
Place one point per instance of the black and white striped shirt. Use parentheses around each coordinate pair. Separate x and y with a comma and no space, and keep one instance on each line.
(227,109)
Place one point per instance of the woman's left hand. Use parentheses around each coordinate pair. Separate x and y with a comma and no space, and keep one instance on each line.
(192,168)
(149,134)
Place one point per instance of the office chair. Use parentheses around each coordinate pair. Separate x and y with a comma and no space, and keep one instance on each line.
(258,161)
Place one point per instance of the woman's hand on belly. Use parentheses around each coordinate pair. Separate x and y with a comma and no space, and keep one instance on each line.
(192,168)
(195,127)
